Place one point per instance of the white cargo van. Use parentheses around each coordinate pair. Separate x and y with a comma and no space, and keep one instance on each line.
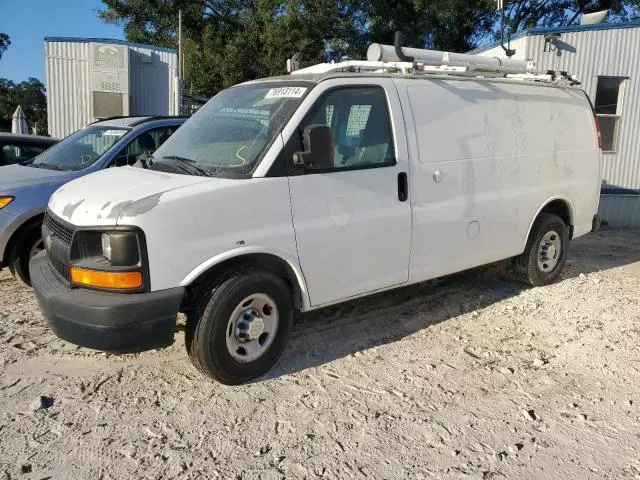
(292,193)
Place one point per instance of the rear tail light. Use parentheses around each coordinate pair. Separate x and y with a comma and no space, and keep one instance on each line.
(599,132)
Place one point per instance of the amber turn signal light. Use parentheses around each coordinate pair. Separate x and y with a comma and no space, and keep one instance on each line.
(4,201)
(111,280)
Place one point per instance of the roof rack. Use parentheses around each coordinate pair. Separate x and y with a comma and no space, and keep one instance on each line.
(395,58)
(157,117)
(142,118)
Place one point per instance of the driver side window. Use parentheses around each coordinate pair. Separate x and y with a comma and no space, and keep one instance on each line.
(360,126)
(145,143)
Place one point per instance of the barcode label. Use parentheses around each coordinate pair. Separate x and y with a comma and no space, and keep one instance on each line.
(286,92)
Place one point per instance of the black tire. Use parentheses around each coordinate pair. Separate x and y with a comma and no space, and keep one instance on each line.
(526,268)
(29,246)
(213,305)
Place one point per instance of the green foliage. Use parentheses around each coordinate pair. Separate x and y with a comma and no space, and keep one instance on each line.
(4,43)
(454,25)
(231,41)
(31,96)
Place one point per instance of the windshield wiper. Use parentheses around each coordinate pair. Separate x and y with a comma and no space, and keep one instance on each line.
(191,164)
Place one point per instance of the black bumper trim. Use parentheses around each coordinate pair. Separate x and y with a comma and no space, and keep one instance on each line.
(113,322)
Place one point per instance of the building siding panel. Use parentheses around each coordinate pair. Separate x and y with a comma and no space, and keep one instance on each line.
(150,86)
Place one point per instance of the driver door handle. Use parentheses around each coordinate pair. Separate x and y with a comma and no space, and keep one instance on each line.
(403,187)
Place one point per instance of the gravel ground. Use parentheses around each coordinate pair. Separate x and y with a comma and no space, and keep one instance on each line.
(470,376)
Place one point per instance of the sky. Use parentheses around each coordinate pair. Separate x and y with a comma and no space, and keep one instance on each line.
(27,22)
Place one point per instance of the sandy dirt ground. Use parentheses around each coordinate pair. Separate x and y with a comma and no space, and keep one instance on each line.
(471,376)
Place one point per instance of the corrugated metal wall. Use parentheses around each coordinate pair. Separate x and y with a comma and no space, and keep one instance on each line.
(620,211)
(518,44)
(151,81)
(68,87)
(587,55)
(69,83)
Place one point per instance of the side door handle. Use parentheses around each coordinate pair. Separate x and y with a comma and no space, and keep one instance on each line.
(403,187)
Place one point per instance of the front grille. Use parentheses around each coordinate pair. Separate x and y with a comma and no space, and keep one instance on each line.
(59,229)
(58,237)
(61,268)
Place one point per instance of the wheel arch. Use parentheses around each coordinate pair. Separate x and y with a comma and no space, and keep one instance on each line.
(271,260)
(13,245)
(559,206)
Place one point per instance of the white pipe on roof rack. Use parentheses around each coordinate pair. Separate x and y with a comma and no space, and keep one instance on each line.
(387,53)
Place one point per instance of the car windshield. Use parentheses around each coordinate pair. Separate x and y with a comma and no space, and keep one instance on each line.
(80,149)
(229,135)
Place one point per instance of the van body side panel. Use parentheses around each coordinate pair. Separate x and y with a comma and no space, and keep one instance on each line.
(558,158)
(189,226)
(462,135)
(486,157)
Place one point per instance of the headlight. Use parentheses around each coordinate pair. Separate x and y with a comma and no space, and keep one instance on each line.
(4,201)
(112,260)
(106,246)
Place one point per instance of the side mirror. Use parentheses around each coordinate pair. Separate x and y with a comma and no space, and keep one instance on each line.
(319,151)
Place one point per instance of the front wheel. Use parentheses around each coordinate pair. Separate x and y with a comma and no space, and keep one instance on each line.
(546,252)
(240,325)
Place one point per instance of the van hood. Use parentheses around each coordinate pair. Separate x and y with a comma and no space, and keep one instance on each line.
(101,198)
(13,177)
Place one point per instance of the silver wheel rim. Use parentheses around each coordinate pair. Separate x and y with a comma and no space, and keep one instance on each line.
(252,327)
(549,251)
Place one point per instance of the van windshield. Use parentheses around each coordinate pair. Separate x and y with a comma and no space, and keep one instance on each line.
(229,135)
(80,149)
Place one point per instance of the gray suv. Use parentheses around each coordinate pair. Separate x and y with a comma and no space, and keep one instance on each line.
(25,189)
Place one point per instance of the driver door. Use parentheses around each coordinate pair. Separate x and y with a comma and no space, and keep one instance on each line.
(353,220)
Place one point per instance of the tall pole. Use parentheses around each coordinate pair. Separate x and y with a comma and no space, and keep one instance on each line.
(180,45)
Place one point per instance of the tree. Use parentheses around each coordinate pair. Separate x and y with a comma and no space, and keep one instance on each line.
(229,41)
(4,43)
(453,25)
(31,96)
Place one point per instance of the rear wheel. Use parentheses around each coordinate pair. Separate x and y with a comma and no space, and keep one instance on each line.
(30,246)
(546,252)
(239,325)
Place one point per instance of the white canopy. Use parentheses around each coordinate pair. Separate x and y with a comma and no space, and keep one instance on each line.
(19,122)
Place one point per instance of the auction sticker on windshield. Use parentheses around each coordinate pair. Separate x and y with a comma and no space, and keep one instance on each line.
(286,92)
(114,133)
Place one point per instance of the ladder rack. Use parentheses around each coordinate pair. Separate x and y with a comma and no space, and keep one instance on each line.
(451,68)
(395,58)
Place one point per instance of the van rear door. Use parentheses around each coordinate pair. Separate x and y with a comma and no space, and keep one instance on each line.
(353,219)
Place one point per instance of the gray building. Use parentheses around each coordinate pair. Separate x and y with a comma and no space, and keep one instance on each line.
(605,58)
(93,78)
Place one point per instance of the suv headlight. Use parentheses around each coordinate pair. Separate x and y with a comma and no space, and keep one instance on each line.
(112,260)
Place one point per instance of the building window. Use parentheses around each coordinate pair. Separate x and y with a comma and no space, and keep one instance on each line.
(609,98)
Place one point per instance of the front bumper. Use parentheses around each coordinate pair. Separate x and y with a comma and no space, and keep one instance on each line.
(112,322)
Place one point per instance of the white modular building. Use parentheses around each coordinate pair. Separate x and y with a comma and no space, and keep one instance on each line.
(605,58)
(88,79)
